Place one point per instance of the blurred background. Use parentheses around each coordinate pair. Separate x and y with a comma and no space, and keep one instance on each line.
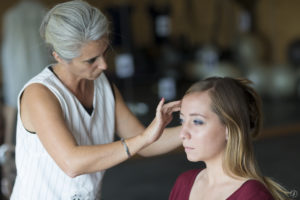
(158,49)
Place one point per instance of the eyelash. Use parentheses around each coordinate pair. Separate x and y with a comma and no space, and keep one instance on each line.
(91,61)
(196,122)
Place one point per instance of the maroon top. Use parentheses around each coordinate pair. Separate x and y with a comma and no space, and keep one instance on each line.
(250,190)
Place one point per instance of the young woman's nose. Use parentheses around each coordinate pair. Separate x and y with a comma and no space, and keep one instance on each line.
(184,133)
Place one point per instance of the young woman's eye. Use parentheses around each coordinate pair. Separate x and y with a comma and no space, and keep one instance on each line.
(198,122)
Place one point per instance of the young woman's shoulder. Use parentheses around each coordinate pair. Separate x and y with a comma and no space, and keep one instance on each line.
(183,185)
(252,190)
(190,174)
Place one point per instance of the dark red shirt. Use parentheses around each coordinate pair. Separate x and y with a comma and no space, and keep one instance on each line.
(250,190)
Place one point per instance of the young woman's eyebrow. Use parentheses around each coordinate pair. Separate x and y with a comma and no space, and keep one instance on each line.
(194,115)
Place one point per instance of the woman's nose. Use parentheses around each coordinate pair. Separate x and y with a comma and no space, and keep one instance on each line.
(184,133)
(102,63)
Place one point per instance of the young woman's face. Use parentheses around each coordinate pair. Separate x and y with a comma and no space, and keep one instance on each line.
(91,62)
(202,133)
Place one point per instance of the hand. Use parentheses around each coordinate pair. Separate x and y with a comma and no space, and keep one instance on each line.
(162,119)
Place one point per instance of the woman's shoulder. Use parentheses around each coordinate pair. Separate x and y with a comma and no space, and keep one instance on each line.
(252,189)
(44,77)
(254,186)
(189,175)
(183,185)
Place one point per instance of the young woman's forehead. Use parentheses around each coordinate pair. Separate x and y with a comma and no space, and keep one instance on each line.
(198,102)
(203,97)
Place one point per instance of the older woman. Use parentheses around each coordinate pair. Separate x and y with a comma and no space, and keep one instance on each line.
(68,114)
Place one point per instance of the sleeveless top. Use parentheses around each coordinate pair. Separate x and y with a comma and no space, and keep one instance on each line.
(250,190)
(38,176)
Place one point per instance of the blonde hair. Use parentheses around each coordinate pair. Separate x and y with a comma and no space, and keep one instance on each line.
(238,107)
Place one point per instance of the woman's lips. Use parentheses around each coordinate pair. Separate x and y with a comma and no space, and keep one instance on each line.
(187,149)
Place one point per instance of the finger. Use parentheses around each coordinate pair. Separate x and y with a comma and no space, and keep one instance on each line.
(172,107)
(160,105)
(167,112)
(174,103)
(175,108)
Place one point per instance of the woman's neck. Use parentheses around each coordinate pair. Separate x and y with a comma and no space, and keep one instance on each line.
(82,89)
(214,172)
(75,84)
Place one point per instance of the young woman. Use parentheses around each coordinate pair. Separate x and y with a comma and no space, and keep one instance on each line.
(220,116)
(68,114)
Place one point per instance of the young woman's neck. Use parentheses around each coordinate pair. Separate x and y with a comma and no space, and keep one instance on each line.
(214,172)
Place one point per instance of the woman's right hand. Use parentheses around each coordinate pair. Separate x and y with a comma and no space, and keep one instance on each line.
(162,118)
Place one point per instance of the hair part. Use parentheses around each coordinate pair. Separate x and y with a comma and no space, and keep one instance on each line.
(68,26)
(238,107)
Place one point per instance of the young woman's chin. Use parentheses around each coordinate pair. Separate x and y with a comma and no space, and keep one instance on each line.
(192,158)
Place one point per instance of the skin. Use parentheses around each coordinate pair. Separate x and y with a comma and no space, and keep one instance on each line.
(204,139)
(41,113)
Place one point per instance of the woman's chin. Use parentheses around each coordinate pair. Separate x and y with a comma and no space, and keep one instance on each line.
(192,158)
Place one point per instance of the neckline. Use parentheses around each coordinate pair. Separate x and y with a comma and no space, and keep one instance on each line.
(232,194)
(89,110)
(240,188)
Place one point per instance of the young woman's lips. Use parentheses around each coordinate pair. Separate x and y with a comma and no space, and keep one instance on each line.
(188,149)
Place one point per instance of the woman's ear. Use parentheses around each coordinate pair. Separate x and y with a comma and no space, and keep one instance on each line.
(56,57)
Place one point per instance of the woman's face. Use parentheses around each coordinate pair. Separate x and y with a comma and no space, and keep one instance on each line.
(202,133)
(91,62)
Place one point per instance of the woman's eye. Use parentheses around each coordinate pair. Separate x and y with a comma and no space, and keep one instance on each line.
(198,122)
(181,121)
(91,61)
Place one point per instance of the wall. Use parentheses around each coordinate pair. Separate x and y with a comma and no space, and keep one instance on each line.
(195,20)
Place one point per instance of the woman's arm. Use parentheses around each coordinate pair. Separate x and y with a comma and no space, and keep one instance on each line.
(168,141)
(127,126)
(41,113)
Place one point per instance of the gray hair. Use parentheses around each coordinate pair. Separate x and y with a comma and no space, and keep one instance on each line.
(67,26)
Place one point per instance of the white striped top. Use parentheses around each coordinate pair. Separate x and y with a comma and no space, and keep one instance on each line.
(38,176)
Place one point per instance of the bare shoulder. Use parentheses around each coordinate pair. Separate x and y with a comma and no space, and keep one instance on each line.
(37,103)
(36,89)
(37,94)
